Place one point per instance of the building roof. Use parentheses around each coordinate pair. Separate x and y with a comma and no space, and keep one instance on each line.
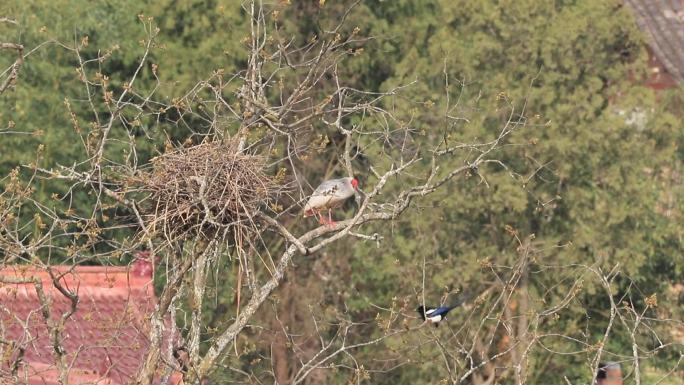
(663,23)
(105,339)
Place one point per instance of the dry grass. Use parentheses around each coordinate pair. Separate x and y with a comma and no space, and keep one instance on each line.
(204,190)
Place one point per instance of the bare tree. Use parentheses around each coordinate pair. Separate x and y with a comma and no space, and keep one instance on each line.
(234,191)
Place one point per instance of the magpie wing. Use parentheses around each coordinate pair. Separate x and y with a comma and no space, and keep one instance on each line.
(441,310)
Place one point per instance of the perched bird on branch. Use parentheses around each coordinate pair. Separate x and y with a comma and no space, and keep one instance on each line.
(435,315)
(329,195)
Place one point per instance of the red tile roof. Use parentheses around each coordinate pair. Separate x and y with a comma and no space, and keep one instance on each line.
(105,339)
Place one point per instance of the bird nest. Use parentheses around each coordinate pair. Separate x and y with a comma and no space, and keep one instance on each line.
(204,190)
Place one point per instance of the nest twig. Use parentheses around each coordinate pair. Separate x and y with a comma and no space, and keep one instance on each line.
(205,189)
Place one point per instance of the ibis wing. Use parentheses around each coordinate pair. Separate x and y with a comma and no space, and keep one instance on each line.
(327,188)
(324,196)
(317,202)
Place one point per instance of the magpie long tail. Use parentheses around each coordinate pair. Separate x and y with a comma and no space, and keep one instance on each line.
(456,304)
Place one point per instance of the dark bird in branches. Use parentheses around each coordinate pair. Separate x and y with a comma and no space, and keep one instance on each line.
(435,315)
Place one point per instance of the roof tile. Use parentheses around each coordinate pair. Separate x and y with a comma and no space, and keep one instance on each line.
(106,338)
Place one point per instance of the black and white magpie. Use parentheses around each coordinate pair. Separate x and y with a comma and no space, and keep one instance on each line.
(435,315)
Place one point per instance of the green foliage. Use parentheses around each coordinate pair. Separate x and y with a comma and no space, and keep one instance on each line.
(587,190)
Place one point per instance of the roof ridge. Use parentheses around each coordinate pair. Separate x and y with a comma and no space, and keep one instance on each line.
(106,277)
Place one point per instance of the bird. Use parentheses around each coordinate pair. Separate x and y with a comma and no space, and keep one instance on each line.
(329,195)
(435,315)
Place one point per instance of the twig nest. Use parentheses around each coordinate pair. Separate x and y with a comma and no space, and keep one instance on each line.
(204,190)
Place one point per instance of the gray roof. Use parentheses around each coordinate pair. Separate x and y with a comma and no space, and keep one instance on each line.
(663,23)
